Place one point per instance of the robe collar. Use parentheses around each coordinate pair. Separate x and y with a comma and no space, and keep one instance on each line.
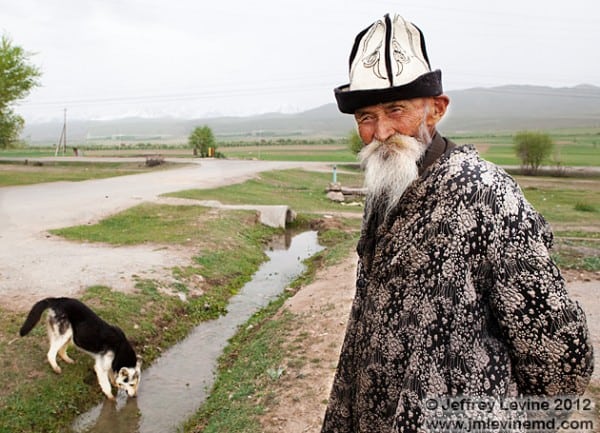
(438,146)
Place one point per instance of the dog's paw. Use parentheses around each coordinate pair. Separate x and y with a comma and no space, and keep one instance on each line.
(57,369)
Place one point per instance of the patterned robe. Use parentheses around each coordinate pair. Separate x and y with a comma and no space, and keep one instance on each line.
(456,295)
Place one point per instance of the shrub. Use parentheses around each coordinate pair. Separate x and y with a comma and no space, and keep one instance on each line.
(532,148)
(584,207)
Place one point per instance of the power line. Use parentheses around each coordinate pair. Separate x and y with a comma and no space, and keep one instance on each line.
(175,97)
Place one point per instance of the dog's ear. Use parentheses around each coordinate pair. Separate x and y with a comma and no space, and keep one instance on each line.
(138,365)
(124,372)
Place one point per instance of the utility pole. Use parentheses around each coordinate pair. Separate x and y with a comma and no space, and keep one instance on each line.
(63,137)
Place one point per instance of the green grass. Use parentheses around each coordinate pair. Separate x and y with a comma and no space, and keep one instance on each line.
(577,250)
(152,223)
(214,234)
(12,173)
(583,206)
(571,208)
(571,201)
(565,155)
(27,152)
(340,154)
(578,147)
(277,187)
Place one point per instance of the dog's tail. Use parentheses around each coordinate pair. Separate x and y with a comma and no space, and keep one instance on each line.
(34,316)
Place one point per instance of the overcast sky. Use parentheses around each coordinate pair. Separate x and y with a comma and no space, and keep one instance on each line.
(191,58)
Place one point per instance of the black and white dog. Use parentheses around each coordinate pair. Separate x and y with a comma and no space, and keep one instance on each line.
(69,320)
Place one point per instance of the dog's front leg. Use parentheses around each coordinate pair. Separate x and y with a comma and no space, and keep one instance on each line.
(103,380)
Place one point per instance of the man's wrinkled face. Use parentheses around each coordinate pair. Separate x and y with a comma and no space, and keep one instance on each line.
(405,117)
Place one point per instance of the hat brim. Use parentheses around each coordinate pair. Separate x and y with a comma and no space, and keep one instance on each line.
(428,84)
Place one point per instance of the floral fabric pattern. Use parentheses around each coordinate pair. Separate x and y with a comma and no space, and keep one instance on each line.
(456,295)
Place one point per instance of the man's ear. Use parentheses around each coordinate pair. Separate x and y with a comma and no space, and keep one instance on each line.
(437,109)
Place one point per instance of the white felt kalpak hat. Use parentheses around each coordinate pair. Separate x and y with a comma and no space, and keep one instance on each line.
(388,62)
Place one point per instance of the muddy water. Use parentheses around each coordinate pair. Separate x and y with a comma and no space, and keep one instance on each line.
(175,386)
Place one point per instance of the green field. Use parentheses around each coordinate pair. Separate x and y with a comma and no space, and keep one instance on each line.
(572,148)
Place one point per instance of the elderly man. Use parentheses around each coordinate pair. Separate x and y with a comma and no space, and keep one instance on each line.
(456,293)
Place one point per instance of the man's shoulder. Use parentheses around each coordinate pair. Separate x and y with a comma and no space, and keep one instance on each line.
(465,158)
(463,166)
(464,151)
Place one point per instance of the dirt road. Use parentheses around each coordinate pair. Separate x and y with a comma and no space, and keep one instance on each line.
(34,264)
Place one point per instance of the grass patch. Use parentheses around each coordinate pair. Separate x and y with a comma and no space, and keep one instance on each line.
(567,205)
(302,190)
(557,199)
(581,206)
(32,172)
(577,234)
(317,152)
(28,152)
(580,252)
(160,224)
(572,148)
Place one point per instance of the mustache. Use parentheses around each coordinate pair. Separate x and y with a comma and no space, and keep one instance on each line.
(396,144)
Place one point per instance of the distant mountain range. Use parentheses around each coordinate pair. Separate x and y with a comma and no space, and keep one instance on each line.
(477,110)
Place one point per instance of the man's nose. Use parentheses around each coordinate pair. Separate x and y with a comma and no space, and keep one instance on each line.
(384,129)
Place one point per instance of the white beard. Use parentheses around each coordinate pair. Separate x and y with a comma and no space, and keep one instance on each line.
(390,167)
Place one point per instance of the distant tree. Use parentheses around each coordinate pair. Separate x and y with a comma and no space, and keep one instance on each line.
(532,148)
(355,142)
(17,78)
(11,125)
(201,139)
